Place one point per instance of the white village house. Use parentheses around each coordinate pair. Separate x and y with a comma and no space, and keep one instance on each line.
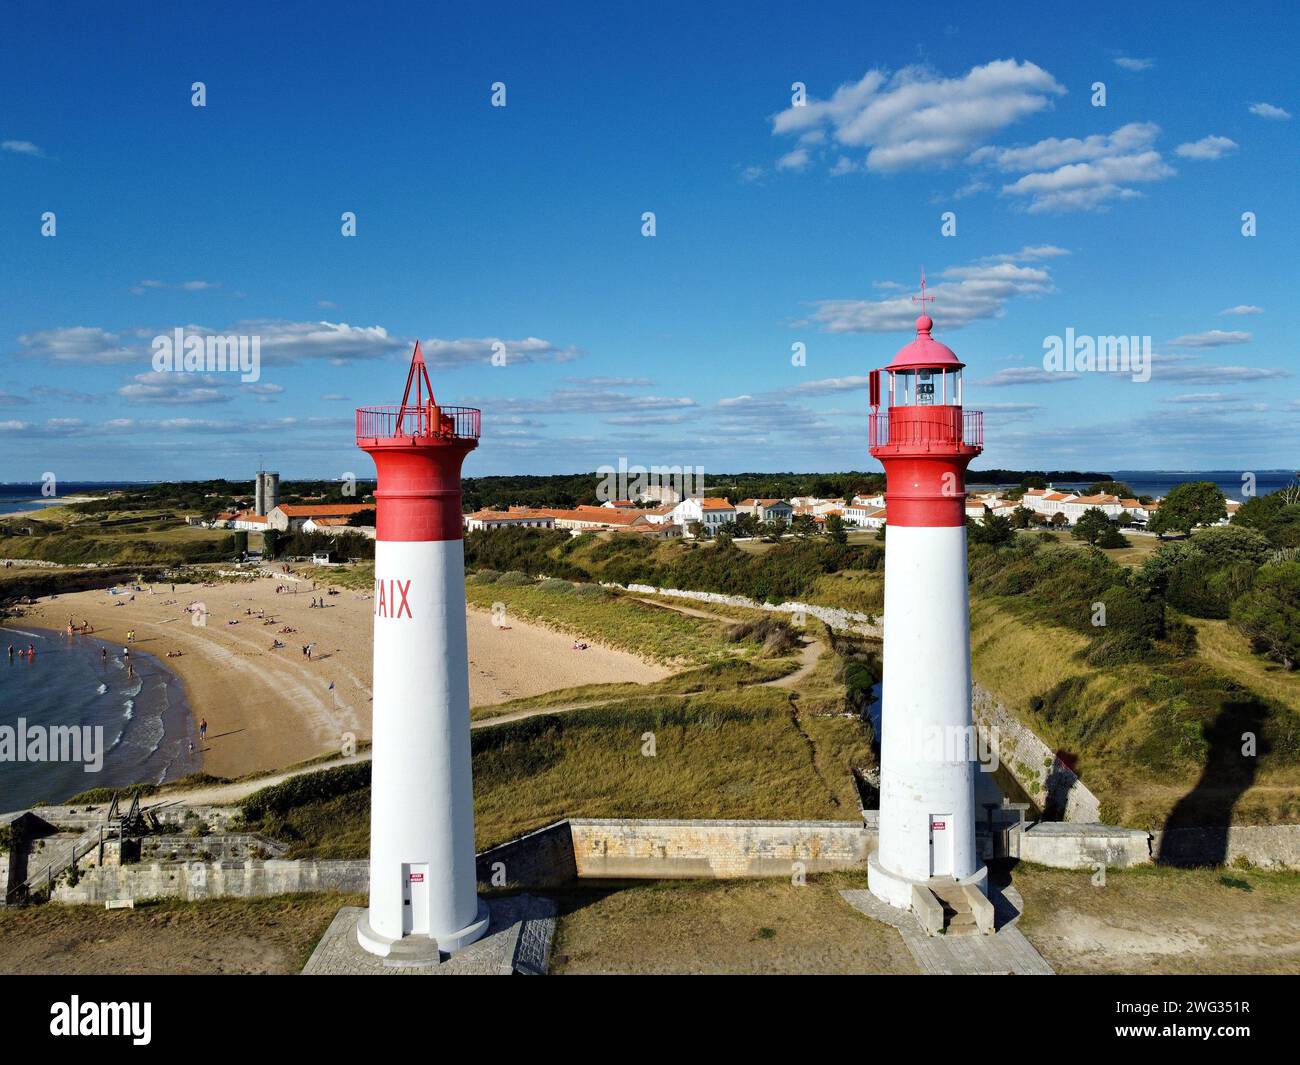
(712,512)
(766,509)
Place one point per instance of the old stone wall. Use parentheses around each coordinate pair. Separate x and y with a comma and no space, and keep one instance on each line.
(1032,762)
(212,880)
(721,849)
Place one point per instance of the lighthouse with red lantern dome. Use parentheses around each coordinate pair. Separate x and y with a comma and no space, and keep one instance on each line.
(422,876)
(927,761)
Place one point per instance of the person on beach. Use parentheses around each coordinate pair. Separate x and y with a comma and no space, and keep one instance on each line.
(203,728)
(103,653)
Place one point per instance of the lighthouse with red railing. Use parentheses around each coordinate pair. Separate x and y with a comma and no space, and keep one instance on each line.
(927,760)
(422,876)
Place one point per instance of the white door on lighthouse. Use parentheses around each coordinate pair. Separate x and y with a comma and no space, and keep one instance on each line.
(941,836)
(415,899)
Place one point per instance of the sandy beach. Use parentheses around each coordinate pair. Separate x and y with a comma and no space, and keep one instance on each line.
(270,708)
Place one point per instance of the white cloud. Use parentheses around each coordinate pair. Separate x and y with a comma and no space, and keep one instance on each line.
(1028,254)
(1024,375)
(22,148)
(1136,65)
(915,118)
(175,388)
(284,343)
(1080,174)
(611,382)
(1211,147)
(1213,338)
(1243,308)
(78,343)
(1185,369)
(966,294)
(795,160)
(183,286)
(1264,110)
(469,350)
(828,386)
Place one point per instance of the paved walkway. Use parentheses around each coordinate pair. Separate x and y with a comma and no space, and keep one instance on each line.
(1005,953)
(518,940)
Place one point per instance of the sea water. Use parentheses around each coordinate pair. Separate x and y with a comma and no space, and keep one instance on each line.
(148,733)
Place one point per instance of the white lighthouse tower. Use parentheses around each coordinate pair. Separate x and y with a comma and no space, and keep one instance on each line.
(927,765)
(422,878)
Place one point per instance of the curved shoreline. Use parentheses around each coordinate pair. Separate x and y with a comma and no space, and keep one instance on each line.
(159,697)
(267,704)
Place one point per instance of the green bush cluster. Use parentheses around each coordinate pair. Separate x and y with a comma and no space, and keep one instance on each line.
(280,798)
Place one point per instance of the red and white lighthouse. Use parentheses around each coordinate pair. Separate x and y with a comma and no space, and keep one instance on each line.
(927,762)
(422,878)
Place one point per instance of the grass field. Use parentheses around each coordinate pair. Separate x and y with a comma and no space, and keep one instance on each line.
(1222,644)
(740,754)
(1140,547)
(721,926)
(618,621)
(1153,919)
(117,537)
(221,936)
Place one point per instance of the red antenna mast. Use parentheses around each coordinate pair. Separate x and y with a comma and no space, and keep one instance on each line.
(422,384)
(923,299)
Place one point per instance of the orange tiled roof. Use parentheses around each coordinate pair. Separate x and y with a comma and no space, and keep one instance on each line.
(323,510)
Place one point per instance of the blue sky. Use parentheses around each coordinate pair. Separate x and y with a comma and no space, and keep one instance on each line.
(522,224)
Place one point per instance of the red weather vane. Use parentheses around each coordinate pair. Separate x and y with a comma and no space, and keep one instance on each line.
(923,299)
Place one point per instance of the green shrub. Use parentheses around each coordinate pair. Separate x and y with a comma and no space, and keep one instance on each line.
(1117,648)
(514,579)
(280,798)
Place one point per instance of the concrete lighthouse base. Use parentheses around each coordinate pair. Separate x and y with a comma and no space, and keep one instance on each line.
(896,890)
(416,949)
(517,940)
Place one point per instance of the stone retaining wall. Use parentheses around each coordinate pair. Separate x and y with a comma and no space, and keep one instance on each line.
(1075,846)
(540,859)
(715,849)
(1265,846)
(213,880)
(1032,762)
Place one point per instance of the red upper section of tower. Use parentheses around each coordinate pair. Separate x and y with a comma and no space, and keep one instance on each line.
(418,448)
(925,439)
(925,352)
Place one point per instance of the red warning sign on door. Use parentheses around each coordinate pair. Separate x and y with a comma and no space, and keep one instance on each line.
(417,878)
(938,826)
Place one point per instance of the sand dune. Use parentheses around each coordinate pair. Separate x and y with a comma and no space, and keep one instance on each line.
(269,708)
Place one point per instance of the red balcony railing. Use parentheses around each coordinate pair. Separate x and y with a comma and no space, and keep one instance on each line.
(952,425)
(428,422)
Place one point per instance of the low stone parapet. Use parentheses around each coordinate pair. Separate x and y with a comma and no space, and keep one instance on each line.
(1062,845)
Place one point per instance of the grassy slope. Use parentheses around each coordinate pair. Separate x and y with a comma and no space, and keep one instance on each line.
(143,536)
(1136,728)
(731,755)
(616,621)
